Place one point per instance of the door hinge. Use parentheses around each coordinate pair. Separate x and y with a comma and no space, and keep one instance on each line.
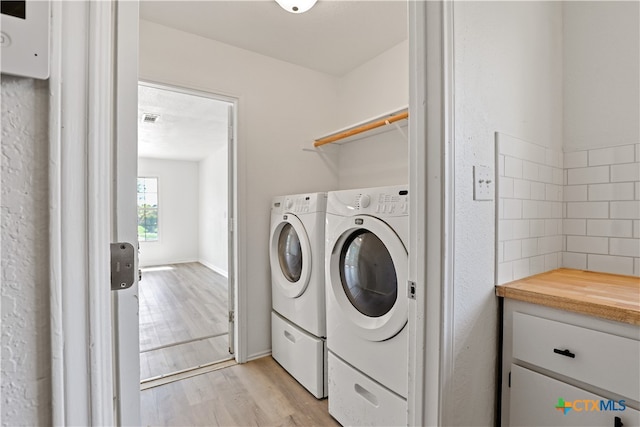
(411,292)
(232,317)
(123,273)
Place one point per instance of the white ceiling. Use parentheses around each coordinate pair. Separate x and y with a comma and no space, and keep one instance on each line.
(334,37)
(190,127)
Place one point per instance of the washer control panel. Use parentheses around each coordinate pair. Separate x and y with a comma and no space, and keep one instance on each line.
(305,203)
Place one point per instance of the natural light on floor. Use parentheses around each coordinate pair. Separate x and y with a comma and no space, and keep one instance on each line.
(157,268)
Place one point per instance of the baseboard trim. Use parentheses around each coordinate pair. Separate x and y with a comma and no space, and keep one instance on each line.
(259,355)
(218,270)
(161,263)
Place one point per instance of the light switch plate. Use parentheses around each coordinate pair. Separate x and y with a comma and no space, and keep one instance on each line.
(483,183)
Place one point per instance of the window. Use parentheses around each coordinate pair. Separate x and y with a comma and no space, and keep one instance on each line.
(147,209)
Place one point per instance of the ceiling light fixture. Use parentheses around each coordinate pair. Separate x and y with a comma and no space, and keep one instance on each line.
(296,6)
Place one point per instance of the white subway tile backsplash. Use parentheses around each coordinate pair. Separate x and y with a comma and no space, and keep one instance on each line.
(576,159)
(505,187)
(609,228)
(521,269)
(637,152)
(505,230)
(536,228)
(538,191)
(545,174)
(530,171)
(520,228)
(553,158)
(536,265)
(501,165)
(610,264)
(625,210)
(637,184)
(574,260)
(590,175)
(544,209)
(512,250)
(636,229)
(587,210)
(587,244)
(625,173)
(551,261)
(552,227)
(521,189)
(636,267)
(530,208)
(512,167)
(576,227)
(553,192)
(557,210)
(529,248)
(575,193)
(611,155)
(505,272)
(551,244)
(500,251)
(624,247)
(512,208)
(558,176)
(620,191)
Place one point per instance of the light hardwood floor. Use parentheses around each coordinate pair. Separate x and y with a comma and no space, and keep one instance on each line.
(183,318)
(258,393)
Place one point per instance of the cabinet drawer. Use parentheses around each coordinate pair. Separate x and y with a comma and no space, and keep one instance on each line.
(535,398)
(603,360)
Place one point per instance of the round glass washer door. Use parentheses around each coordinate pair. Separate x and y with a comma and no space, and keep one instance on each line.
(367,272)
(290,256)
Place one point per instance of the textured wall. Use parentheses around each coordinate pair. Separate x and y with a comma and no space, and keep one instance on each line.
(25,391)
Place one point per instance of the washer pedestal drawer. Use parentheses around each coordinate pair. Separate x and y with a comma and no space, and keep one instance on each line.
(303,355)
(357,400)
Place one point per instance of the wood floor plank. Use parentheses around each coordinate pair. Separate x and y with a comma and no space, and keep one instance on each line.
(258,393)
(180,303)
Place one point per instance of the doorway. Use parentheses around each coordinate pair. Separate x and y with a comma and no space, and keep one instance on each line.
(184,196)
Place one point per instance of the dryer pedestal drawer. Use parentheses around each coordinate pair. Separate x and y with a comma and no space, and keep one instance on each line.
(537,400)
(603,360)
(357,400)
(301,354)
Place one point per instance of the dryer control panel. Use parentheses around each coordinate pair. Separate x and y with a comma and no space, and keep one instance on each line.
(381,203)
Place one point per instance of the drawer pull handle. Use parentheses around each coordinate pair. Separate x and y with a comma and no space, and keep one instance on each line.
(368,396)
(617,422)
(289,336)
(564,353)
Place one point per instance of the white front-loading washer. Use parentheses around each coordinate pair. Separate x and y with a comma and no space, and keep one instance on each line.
(298,318)
(366,267)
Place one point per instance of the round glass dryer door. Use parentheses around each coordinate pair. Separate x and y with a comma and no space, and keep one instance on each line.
(367,275)
(290,256)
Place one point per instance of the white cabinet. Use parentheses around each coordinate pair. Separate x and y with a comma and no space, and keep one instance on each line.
(556,358)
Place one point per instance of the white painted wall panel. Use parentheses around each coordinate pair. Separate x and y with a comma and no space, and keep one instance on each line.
(601,89)
(282,107)
(508,78)
(25,389)
(178,201)
(213,246)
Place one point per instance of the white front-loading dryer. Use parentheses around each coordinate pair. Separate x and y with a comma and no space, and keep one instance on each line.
(366,267)
(298,319)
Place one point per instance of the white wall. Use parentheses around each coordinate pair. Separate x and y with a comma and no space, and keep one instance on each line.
(178,224)
(281,106)
(26,351)
(214,237)
(378,86)
(601,74)
(508,78)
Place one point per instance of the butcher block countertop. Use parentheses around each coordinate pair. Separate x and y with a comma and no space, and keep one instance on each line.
(608,296)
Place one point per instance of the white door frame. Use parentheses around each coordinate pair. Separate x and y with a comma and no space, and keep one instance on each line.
(81,132)
(431,212)
(81,87)
(237,328)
